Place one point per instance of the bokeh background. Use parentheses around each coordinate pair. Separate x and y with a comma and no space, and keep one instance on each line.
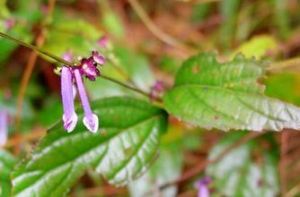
(147,42)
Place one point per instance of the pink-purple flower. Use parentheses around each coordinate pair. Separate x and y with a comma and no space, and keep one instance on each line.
(89,69)
(157,90)
(3,127)
(98,58)
(103,41)
(202,186)
(69,116)
(73,77)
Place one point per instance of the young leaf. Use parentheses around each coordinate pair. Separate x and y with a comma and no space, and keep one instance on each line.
(237,174)
(124,148)
(7,163)
(227,96)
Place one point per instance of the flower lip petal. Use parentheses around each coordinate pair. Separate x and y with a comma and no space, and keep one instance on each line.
(70,123)
(91,123)
(90,119)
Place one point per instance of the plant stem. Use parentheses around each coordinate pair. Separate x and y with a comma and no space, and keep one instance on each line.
(125,85)
(278,66)
(60,60)
(32,47)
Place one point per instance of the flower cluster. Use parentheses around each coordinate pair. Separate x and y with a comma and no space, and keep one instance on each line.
(71,82)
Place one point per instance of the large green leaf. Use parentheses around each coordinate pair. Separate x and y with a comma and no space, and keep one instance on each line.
(227,96)
(248,170)
(7,162)
(125,147)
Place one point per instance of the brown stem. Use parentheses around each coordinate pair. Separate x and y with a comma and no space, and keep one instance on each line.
(290,63)
(161,35)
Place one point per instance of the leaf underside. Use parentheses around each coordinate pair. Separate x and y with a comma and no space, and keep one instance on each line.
(238,174)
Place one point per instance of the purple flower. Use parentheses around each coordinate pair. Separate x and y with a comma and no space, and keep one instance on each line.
(202,186)
(98,58)
(68,56)
(156,90)
(90,119)
(71,76)
(89,68)
(103,41)
(9,23)
(3,127)
(69,117)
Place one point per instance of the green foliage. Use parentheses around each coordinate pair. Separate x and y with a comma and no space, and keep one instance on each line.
(126,66)
(229,10)
(200,11)
(281,17)
(137,67)
(227,96)
(238,174)
(7,162)
(113,23)
(72,34)
(166,168)
(125,147)
(257,47)
(278,86)
(207,93)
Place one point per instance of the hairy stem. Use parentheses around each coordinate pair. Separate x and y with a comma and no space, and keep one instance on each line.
(35,48)
(62,61)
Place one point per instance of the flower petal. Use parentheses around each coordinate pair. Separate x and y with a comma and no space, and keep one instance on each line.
(70,122)
(3,127)
(90,119)
(98,58)
(69,116)
(89,69)
(91,123)
(103,41)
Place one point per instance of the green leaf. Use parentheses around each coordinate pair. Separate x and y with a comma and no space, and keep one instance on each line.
(72,34)
(7,163)
(257,47)
(227,96)
(126,146)
(238,174)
